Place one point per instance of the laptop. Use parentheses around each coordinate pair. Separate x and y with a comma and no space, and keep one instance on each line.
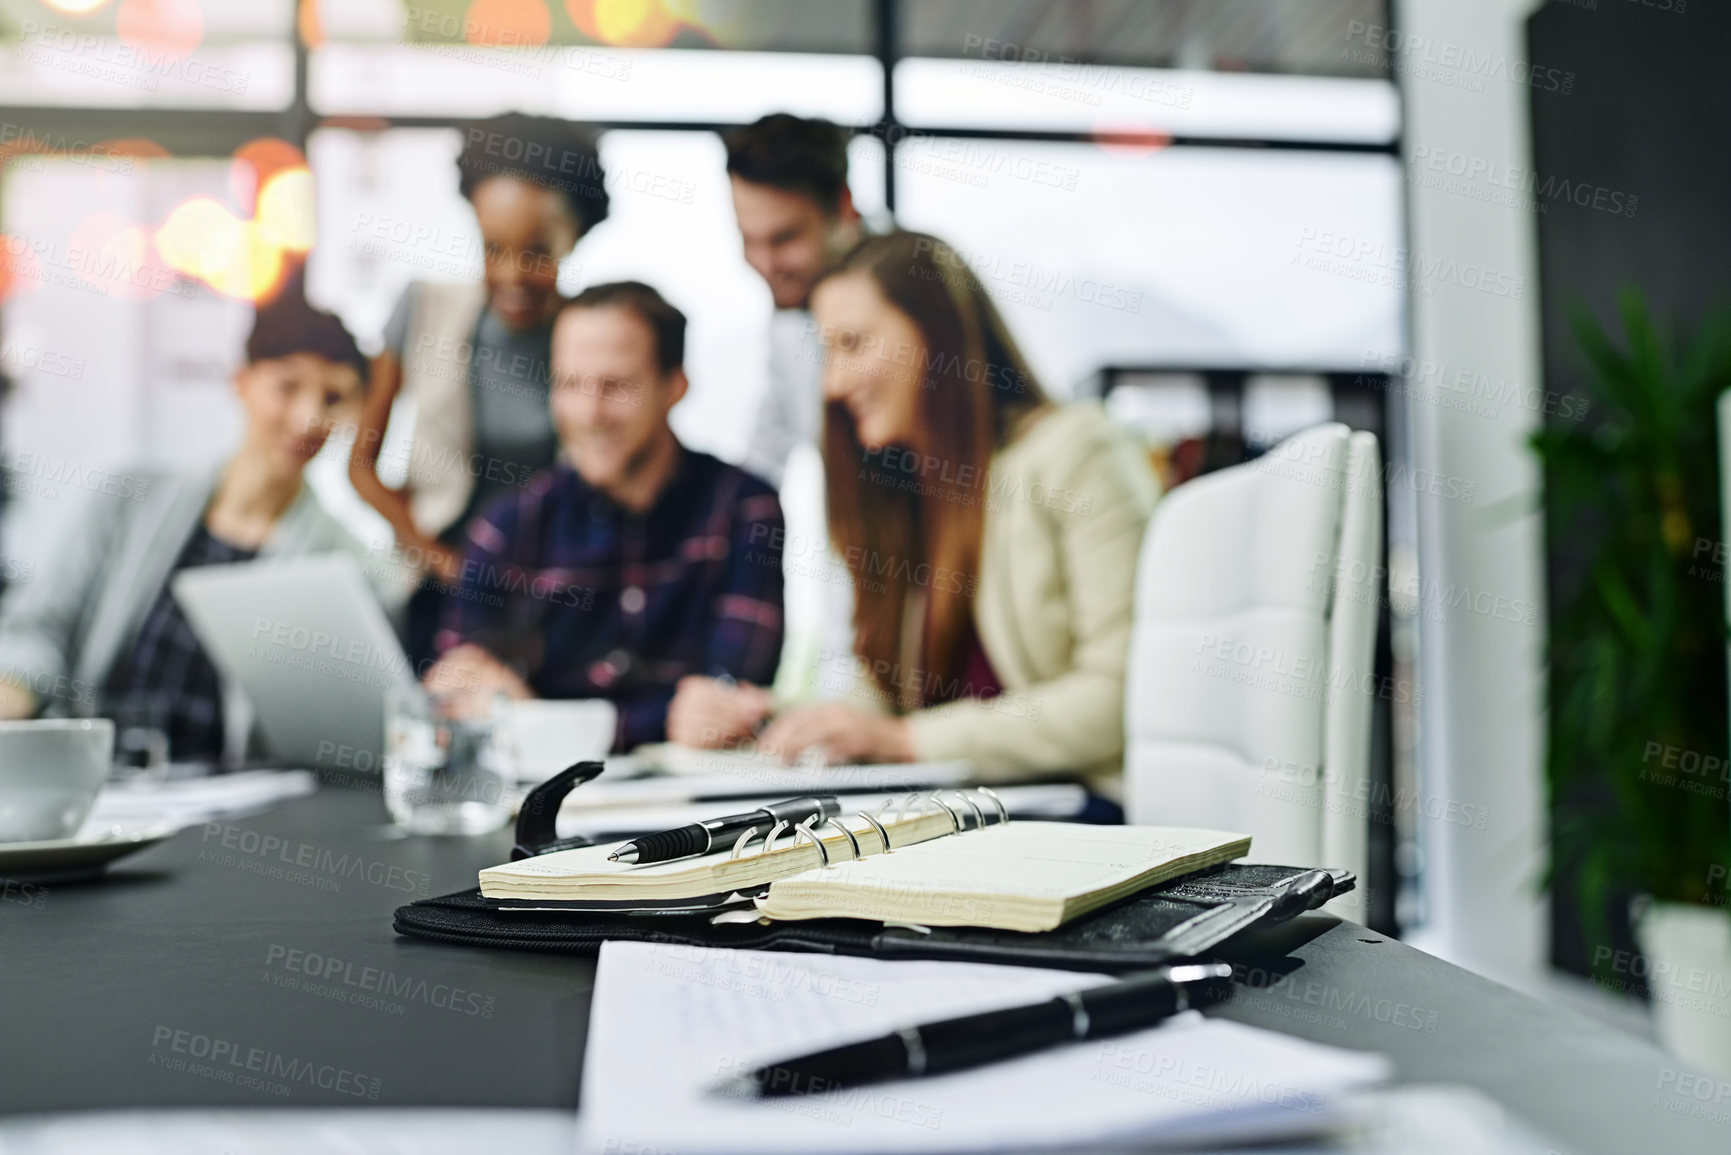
(311,647)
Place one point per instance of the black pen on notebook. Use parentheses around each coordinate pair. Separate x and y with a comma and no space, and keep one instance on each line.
(702,837)
(1135,1001)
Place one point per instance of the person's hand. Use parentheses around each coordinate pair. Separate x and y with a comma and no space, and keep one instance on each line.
(708,712)
(842,733)
(16,700)
(469,677)
(428,554)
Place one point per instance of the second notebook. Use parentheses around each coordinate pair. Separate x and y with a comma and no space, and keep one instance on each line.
(1027,876)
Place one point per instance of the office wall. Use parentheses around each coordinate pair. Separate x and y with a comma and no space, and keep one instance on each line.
(1466,81)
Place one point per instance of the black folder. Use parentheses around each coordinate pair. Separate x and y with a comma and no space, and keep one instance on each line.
(1182,919)
(1185,918)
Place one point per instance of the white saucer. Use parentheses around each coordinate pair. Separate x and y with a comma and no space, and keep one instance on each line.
(83,856)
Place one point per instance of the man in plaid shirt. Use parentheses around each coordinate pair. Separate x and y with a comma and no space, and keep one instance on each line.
(635,569)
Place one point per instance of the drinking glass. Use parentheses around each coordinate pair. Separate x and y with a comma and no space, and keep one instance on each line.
(444,772)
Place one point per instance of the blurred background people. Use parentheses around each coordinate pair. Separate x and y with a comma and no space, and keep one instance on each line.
(788,177)
(98,630)
(634,567)
(474,358)
(992,535)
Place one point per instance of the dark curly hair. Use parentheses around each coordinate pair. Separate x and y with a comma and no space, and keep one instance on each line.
(538,150)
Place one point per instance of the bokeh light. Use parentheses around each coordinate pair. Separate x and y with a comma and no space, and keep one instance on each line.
(75,7)
(508,22)
(1131,141)
(171,27)
(141,147)
(310,23)
(285,211)
(19,270)
(203,239)
(255,162)
(626,23)
(245,254)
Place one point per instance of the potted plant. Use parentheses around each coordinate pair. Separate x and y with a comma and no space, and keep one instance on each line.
(1636,759)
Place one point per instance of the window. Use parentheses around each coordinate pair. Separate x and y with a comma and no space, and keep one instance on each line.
(230,54)
(1188,256)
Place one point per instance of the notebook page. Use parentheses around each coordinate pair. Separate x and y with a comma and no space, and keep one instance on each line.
(1050,860)
(668,1021)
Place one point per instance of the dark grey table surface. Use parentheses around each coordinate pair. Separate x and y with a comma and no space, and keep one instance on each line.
(269,938)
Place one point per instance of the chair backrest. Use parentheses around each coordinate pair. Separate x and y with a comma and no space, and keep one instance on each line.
(1249,687)
(1359,587)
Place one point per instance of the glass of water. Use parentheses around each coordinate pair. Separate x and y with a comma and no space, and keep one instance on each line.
(444,773)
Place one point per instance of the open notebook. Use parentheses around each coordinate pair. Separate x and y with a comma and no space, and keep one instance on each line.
(1027,876)
(585,877)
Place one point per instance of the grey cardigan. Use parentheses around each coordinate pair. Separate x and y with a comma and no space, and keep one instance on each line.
(62,632)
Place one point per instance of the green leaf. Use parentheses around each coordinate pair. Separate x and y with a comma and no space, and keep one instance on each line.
(1636,654)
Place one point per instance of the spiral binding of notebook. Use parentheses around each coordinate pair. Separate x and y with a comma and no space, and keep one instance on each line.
(875,823)
(583,875)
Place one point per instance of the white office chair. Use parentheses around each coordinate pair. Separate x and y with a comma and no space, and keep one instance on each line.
(1251,660)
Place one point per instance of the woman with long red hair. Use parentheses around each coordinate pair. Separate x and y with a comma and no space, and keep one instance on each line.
(990,533)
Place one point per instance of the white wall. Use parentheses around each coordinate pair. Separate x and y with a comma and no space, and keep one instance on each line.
(1482,712)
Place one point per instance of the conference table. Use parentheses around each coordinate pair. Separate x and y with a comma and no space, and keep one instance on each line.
(273,933)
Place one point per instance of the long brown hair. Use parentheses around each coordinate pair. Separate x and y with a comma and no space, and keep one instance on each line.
(903,520)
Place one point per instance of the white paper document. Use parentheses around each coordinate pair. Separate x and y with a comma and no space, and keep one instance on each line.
(291,1131)
(745,770)
(187,801)
(668,1022)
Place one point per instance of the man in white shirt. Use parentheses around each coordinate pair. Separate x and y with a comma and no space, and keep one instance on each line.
(796,216)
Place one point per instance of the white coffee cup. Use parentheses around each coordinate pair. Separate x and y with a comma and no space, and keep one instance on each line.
(50,772)
(548,736)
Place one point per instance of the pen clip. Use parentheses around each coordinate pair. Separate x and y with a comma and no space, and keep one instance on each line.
(537,820)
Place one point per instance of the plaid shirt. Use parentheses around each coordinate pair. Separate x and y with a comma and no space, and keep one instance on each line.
(167,682)
(590,600)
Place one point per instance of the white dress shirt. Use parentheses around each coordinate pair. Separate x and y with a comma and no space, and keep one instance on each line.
(791,413)
(784,450)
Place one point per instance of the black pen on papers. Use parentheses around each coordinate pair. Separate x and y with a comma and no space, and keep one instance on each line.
(1135,1001)
(702,837)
